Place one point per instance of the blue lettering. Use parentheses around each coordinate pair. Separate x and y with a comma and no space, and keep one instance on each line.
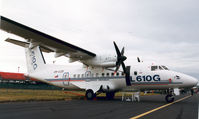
(139,78)
(148,78)
(156,78)
(34,64)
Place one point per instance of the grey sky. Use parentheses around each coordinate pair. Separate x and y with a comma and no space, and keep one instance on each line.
(159,31)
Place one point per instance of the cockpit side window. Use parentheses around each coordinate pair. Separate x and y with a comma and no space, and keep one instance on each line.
(161,68)
(154,68)
(165,67)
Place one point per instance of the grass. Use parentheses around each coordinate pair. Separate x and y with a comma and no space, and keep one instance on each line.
(14,95)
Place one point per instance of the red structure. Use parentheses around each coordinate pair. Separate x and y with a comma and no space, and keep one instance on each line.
(14,76)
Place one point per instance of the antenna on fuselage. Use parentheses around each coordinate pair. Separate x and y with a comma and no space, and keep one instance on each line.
(139,59)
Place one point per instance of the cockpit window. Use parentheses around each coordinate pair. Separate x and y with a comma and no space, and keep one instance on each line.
(154,68)
(165,67)
(177,77)
(161,68)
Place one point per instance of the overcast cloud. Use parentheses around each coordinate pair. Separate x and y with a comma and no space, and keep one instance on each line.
(159,31)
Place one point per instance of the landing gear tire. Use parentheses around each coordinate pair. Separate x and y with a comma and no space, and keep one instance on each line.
(90,94)
(169,98)
(110,95)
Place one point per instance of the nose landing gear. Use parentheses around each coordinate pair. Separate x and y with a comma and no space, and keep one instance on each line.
(170,96)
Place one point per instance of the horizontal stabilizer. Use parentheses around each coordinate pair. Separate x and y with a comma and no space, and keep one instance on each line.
(26,44)
(16,42)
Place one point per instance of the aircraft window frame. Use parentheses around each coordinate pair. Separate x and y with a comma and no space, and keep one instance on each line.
(154,68)
(107,74)
(117,74)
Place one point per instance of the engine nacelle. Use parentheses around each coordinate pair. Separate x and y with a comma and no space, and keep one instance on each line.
(107,64)
(101,61)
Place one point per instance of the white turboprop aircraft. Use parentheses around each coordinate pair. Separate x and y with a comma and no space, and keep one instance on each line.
(95,77)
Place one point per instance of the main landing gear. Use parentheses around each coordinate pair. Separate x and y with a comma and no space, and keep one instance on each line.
(170,96)
(110,95)
(90,95)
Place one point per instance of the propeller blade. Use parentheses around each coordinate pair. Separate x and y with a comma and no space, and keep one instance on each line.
(122,52)
(127,76)
(120,58)
(117,49)
(124,68)
(118,66)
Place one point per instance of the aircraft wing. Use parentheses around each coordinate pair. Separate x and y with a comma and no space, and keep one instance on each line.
(61,48)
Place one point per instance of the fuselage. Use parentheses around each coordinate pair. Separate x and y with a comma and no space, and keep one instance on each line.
(143,77)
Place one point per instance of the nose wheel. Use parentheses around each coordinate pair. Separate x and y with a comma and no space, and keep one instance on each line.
(170,96)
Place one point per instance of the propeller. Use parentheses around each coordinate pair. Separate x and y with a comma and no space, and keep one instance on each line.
(120,58)
(127,76)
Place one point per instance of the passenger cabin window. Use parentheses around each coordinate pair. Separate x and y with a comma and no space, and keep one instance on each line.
(117,74)
(154,68)
(82,75)
(102,74)
(112,74)
(122,73)
(107,74)
(78,76)
(74,75)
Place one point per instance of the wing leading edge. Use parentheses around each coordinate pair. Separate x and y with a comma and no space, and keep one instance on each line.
(54,44)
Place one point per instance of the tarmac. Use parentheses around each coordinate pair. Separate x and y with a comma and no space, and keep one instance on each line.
(185,108)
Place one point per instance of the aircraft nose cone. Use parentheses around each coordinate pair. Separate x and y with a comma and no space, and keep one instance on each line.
(189,81)
(195,81)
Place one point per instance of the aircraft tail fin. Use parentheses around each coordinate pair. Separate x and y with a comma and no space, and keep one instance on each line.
(34,57)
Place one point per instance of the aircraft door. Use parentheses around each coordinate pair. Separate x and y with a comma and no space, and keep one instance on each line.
(66,78)
(88,74)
